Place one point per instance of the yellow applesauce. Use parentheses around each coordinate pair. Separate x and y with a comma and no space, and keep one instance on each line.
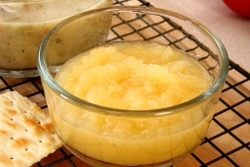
(131,76)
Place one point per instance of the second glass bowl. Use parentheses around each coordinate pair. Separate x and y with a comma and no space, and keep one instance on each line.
(24,24)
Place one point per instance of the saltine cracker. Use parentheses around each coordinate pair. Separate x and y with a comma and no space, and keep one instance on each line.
(26,132)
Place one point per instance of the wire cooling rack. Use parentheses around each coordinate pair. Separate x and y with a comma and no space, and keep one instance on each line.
(227,143)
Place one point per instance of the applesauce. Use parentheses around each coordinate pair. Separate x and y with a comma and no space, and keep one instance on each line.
(131,76)
(24,24)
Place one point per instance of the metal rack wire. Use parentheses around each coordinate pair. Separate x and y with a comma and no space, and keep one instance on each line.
(231,122)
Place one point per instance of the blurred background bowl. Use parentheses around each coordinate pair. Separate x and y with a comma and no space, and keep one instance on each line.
(242,7)
(23,24)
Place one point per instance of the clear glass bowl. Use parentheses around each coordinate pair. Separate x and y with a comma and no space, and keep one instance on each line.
(172,132)
(23,25)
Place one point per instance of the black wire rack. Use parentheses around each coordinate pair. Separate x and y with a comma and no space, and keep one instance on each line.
(228,139)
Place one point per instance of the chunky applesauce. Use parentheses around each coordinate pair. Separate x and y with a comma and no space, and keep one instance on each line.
(131,76)
(134,75)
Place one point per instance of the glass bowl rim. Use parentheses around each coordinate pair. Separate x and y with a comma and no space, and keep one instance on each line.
(206,95)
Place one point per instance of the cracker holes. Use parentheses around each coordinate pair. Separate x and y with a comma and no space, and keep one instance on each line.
(11,119)
(26,130)
(11,158)
(11,138)
(12,103)
(39,123)
(40,141)
(26,149)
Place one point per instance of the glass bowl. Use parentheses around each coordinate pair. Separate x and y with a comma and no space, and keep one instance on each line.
(23,25)
(110,136)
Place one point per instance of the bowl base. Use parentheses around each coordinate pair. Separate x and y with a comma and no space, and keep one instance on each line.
(19,73)
(99,163)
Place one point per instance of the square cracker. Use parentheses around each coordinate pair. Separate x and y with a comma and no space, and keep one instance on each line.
(26,132)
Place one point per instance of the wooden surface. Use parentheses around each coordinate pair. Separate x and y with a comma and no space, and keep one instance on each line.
(231,28)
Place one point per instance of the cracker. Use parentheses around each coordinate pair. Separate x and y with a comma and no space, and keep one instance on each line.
(26,132)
